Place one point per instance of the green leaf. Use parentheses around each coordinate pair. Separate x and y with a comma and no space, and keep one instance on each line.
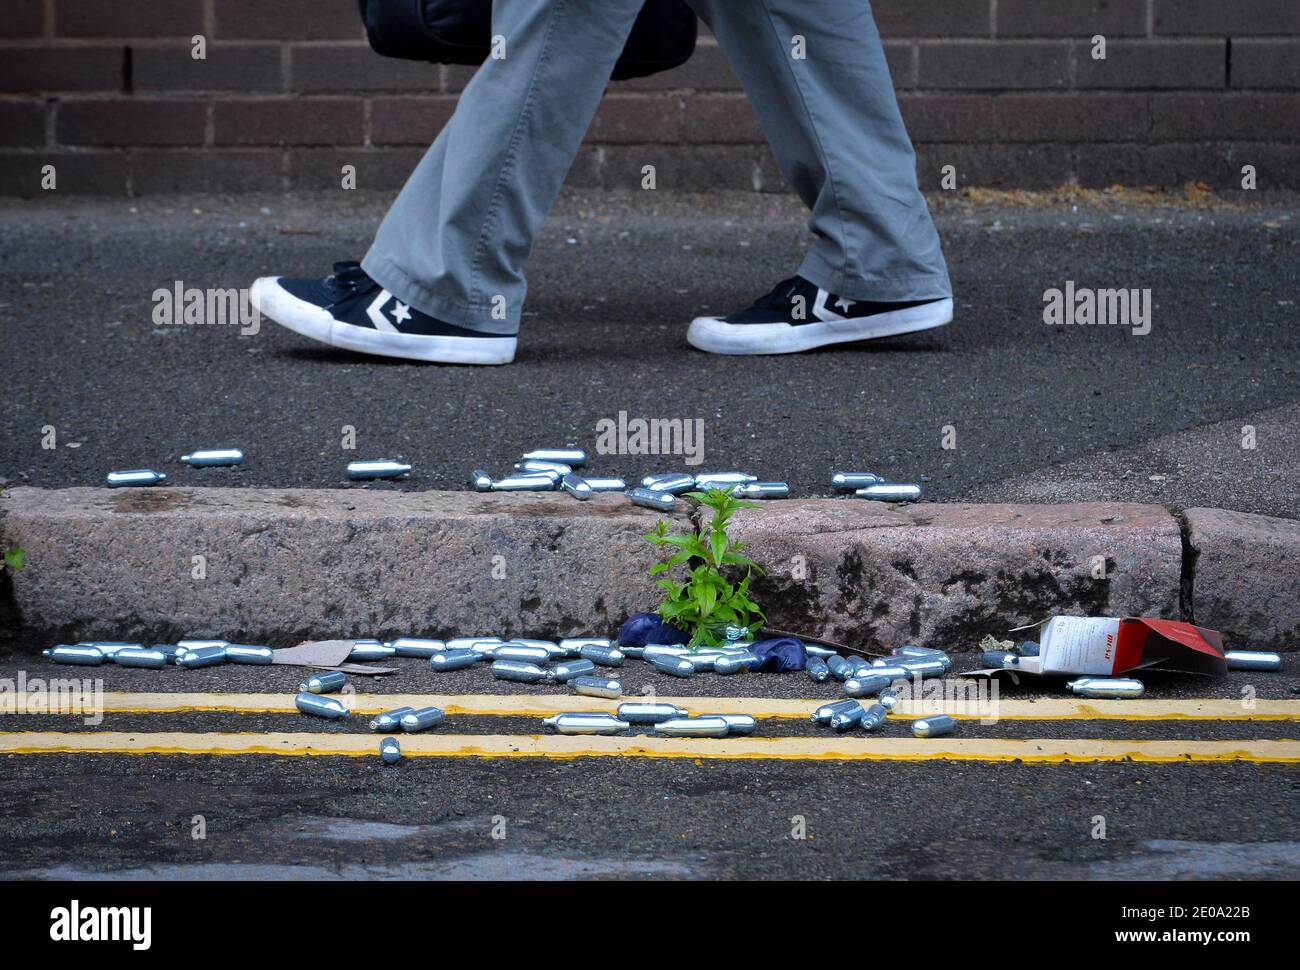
(15,557)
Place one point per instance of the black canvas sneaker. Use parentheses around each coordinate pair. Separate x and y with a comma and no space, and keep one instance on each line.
(799,315)
(348,309)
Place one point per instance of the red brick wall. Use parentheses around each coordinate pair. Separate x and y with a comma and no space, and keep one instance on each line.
(1004,90)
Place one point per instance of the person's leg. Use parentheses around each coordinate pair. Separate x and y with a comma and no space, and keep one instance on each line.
(456,240)
(832,119)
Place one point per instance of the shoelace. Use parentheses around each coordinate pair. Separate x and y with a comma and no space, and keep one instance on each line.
(349,279)
(783,293)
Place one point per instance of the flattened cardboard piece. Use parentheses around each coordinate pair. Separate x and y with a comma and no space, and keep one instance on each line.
(327,655)
(1105,646)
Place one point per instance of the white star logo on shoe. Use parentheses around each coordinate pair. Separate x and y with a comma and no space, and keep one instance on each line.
(844,304)
(401,312)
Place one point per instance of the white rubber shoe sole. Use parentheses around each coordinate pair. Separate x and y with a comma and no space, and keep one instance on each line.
(712,335)
(278,304)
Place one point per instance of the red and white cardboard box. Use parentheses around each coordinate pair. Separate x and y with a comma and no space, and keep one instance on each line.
(1105,645)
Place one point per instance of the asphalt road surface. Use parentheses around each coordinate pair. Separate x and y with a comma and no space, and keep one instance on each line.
(1039,413)
(470,816)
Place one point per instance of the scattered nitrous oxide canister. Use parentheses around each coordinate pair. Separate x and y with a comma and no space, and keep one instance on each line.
(213,457)
(852,481)
(597,686)
(1116,687)
(134,478)
(644,497)
(890,492)
(647,712)
(320,706)
(574,457)
(75,655)
(390,752)
(379,469)
(1252,660)
(422,719)
(328,682)
(694,727)
(582,723)
(390,721)
(933,727)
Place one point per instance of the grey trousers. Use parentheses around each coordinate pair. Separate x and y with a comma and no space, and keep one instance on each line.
(457,239)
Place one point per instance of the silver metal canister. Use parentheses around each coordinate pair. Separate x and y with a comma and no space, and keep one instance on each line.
(676,666)
(326,682)
(535,465)
(318,706)
(416,647)
(368,650)
(890,492)
(1252,660)
(874,717)
(390,752)
(244,653)
(211,457)
(1106,687)
(597,686)
(574,457)
(708,479)
(390,721)
(694,727)
(852,481)
(382,468)
(581,723)
(422,719)
(564,672)
(644,712)
(762,490)
(522,653)
(576,486)
(605,656)
(824,713)
(76,655)
(736,663)
(202,657)
(134,478)
(868,686)
(933,727)
(816,669)
(850,718)
(737,724)
(140,657)
(453,660)
(517,670)
(661,501)
(606,484)
(532,482)
(676,483)
(468,643)
(840,668)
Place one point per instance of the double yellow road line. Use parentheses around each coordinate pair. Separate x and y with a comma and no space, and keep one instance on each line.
(851,747)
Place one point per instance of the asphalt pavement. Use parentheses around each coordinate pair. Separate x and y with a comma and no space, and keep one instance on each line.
(1036,412)
(162,813)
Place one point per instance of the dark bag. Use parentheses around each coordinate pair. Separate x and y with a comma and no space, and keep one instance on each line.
(460,32)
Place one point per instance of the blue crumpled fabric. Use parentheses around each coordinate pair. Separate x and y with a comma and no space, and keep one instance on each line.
(780,654)
(642,628)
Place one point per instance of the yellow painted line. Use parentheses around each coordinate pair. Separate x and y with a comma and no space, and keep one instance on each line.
(542,705)
(563,747)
